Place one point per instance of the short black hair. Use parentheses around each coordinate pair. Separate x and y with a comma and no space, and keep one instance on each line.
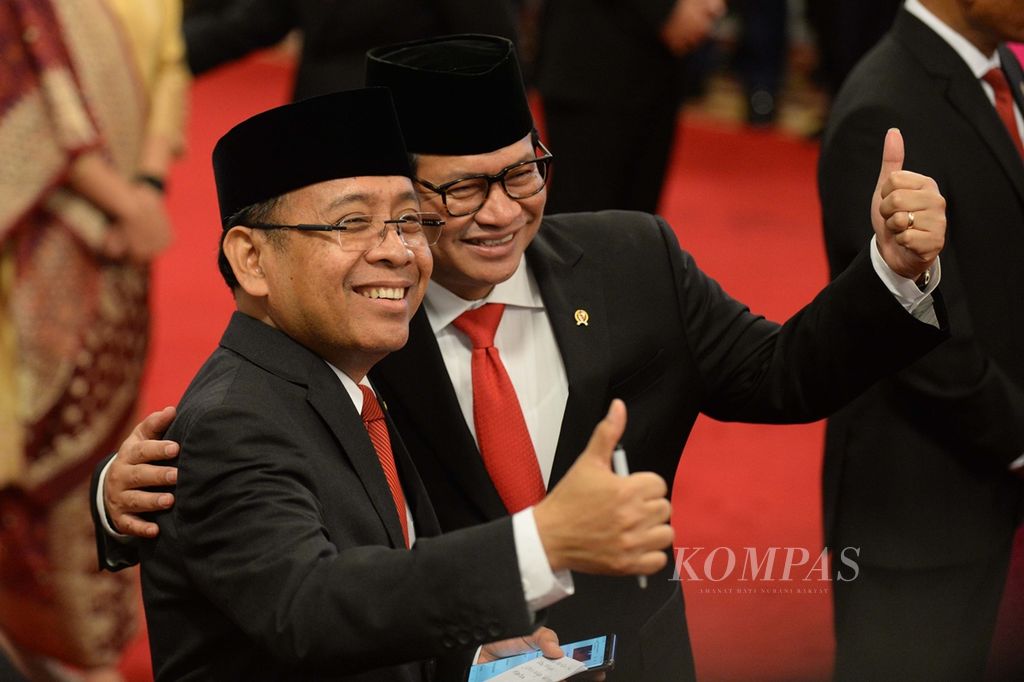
(261,212)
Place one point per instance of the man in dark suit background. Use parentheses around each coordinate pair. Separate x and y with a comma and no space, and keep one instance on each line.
(613,71)
(599,306)
(918,470)
(302,542)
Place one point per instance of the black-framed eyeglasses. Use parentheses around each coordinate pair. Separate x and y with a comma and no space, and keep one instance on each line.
(521,180)
(360,233)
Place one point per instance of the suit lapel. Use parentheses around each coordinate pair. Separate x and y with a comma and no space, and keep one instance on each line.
(416,377)
(327,396)
(277,353)
(963,91)
(966,96)
(1012,68)
(567,286)
(423,517)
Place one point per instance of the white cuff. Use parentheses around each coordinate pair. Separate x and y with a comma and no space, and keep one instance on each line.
(1017,464)
(101,508)
(541,586)
(915,301)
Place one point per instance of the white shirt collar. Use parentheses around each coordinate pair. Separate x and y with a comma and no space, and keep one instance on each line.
(519,290)
(351,387)
(978,63)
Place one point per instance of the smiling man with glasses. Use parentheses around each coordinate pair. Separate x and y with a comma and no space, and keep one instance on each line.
(532,324)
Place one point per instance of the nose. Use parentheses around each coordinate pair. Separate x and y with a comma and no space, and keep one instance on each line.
(499,209)
(392,248)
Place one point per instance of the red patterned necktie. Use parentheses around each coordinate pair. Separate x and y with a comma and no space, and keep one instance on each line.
(1004,104)
(373,419)
(501,432)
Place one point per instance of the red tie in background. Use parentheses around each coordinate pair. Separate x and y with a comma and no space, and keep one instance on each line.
(373,418)
(500,428)
(1004,104)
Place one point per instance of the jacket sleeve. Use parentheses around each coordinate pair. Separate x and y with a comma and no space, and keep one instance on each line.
(112,554)
(852,334)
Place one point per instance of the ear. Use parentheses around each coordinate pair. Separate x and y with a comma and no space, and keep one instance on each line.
(243,250)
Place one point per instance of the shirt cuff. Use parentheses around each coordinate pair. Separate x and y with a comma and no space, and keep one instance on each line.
(1017,464)
(541,586)
(914,300)
(101,508)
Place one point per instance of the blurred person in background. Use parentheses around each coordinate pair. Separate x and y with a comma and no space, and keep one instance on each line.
(923,472)
(335,33)
(846,30)
(613,71)
(761,56)
(91,115)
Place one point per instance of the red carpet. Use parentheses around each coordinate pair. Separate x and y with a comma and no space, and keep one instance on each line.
(745,205)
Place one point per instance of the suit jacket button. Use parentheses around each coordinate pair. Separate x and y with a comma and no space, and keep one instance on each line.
(493,630)
(463,638)
(447,642)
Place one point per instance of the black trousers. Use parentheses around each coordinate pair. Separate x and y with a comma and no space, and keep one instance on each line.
(609,156)
(928,625)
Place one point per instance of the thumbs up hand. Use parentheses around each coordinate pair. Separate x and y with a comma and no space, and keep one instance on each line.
(908,214)
(597,522)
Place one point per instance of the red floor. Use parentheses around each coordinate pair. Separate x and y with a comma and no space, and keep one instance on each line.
(745,205)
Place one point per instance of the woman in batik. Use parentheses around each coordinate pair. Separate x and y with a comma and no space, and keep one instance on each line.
(91,111)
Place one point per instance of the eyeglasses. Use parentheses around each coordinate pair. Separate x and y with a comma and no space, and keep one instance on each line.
(358,233)
(520,181)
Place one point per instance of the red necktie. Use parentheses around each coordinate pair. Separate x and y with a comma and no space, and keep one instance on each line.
(501,433)
(373,419)
(1004,104)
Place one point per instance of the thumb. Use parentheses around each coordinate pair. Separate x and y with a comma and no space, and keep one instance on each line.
(546,640)
(153,426)
(892,155)
(607,434)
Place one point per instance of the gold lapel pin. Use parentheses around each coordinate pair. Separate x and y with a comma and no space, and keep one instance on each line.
(582,317)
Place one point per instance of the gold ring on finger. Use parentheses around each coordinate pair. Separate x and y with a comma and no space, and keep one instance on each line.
(910,219)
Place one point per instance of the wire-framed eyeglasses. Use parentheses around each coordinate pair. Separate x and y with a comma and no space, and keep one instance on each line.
(364,232)
(521,180)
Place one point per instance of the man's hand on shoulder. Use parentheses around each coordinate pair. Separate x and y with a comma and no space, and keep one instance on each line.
(131,472)
(597,522)
(908,214)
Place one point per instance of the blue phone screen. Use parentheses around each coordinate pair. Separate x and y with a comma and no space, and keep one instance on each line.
(590,651)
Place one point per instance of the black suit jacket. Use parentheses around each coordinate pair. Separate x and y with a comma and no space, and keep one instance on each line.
(283,557)
(335,33)
(916,469)
(665,338)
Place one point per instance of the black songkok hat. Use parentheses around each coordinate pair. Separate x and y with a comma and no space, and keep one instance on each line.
(341,135)
(460,94)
